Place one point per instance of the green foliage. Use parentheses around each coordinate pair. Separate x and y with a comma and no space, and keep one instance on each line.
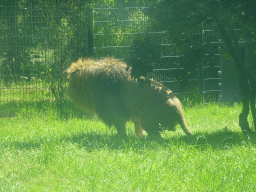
(145,52)
(188,24)
(42,36)
(117,23)
(182,19)
(182,22)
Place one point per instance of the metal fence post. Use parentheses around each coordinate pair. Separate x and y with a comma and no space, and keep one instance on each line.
(89,8)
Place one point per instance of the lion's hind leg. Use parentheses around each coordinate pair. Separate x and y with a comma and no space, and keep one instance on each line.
(120,126)
(111,118)
(138,129)
(112,112)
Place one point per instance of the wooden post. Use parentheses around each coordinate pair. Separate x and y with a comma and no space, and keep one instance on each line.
(89,9)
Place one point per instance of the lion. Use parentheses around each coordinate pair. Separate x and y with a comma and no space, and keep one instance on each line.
(105,87)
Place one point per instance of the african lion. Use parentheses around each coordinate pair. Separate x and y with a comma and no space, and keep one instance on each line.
(105,87)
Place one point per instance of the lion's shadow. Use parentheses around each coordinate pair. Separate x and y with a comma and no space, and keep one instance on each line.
(92,141)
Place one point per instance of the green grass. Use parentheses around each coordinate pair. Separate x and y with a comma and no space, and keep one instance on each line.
(40,151)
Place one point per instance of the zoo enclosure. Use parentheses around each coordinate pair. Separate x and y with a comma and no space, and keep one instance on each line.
(39,39)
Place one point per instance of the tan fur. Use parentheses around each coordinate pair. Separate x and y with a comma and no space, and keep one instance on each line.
(105,87)
(154,104)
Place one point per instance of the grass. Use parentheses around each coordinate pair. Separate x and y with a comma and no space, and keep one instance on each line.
(40,151)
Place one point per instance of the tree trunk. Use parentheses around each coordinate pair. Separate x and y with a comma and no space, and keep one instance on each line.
(244,75)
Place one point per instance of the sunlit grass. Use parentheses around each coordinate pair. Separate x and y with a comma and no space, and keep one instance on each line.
(41,151)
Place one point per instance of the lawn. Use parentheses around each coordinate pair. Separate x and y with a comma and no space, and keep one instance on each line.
(42,151)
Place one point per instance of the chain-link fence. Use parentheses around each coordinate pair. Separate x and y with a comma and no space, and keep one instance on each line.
(39,39)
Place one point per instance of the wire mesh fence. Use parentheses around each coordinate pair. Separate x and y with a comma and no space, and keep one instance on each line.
(211,63)
(39,39)
(115,29)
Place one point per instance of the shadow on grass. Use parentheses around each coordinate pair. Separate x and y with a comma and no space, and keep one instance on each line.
(64,109)
(222,140)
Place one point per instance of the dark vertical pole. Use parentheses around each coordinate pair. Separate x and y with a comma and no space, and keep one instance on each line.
(236,54)
(90,28)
